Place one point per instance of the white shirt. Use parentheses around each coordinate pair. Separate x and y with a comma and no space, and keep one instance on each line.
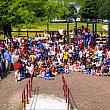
(60,31)
(30,68)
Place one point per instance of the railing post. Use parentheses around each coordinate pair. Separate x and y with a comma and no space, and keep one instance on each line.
(66,94)
(64,88)
(23,97)
(27,94)
(29,89)
(68,100)
(24,100)
(31,83)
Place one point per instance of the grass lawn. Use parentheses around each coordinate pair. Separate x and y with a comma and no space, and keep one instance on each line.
(52,27)
(55,26)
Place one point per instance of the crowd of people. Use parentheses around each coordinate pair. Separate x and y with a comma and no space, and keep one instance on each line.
(48,55)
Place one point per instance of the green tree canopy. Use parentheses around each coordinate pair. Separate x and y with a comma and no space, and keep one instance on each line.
(14,12)
(89,9)
(104,9)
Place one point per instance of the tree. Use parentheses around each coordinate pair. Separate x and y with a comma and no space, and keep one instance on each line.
(104,9)
(72,9)
(14,12)
(89,9)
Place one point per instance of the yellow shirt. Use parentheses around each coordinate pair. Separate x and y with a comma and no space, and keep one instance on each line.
(65,55)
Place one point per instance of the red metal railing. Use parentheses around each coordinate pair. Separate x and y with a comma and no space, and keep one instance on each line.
(66,92)
(27,93)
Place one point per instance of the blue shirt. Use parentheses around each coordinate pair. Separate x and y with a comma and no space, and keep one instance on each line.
(7,56)
(47,74)
(39,54)
(40,46)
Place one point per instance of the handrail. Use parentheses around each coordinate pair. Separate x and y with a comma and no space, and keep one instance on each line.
(67,94)
(27,93)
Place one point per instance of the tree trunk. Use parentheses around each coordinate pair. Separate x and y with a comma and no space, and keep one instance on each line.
(7,33)
(7,30)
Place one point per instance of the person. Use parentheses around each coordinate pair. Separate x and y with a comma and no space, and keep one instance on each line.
(100,55)
(29,68)
(60,31)
(17,67)
(93,70)
(66,68)
(65,55)
(98,71)
(7,57)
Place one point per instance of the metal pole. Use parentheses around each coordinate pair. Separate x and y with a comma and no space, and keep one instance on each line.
(27,33)
(68,29)
(87,24)
(75,27)
(48,27)
(95,26)
(109,35)
(10,34)
(93,29)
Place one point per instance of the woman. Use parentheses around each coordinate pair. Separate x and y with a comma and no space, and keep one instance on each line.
(17,67)
(30,68)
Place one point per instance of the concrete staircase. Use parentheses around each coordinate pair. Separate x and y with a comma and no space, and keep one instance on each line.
(44,102)
(47,95)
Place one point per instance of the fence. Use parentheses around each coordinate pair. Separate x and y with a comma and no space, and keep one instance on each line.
(27,93)
(67,94)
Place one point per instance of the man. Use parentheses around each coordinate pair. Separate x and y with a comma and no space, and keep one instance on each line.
(60,31)
(7,57)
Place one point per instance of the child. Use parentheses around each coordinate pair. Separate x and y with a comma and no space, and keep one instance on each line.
(66,68)
(17,67)
(71,67)
(93,70)
(77,67)
(105,70)
(82,67)
(87,70)
(47,74)
(53,70)
(98,71)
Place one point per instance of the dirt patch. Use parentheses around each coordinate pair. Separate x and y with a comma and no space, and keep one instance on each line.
(89,92)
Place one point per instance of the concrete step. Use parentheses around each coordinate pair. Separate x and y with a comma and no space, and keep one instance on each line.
(45,102)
